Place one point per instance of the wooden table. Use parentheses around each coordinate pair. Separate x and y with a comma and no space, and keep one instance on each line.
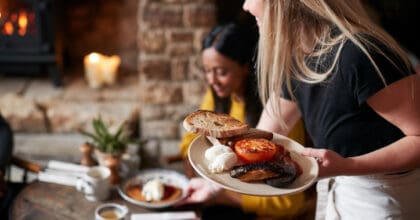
(40,200)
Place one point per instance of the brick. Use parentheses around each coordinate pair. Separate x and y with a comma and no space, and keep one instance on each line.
(195,69)
(180,50)
(199,36)
(179,69)
(78,90)
(180,36)
(152,112)
(68,117)
(162,16)
(46,146)
(161,93)
(174,112)
(169,148)
(165,129)
(194,90)
(199,15)
(152,41)
(41,90)
(178,112)
(155,69)
(23,114)
(126,88)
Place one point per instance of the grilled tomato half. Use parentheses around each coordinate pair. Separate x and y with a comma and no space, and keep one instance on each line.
(250,150)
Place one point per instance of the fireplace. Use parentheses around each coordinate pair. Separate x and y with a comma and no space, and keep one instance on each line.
(27,41)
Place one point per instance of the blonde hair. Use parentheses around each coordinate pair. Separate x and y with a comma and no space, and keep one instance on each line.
(291,29)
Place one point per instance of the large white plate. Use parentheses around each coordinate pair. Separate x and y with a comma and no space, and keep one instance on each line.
(307,178)
(169,177)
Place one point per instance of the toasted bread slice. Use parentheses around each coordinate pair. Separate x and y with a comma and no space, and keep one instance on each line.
(214,124)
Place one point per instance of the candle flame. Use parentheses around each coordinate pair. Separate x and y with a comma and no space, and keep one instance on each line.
(94,57)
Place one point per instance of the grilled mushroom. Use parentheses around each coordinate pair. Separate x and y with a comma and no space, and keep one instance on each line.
(288,176)
(273,171)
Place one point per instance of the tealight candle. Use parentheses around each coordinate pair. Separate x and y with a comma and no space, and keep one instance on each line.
(109,69)
(93,70)
(101,69)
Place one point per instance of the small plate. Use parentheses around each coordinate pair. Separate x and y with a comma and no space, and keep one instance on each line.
(308,164)
(169,177)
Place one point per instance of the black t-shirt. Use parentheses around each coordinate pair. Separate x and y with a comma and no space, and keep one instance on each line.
(335,111)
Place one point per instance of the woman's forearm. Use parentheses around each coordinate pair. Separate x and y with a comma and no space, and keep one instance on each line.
(399,156)
(270,120)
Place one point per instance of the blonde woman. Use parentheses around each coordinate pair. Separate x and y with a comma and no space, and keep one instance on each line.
(227,56)
(357,94)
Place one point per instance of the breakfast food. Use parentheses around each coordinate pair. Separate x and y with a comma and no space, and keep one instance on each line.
(214,124)
(264,170)
(251,150)
(264,161)
(221,158)
(247,153)
(153,190)
(212,152)
(170,193)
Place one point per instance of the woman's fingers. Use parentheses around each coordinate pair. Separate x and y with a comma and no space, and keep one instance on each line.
(198,190)
(319,154)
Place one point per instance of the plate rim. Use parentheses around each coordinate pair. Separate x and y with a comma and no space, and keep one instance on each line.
(281,191)
(122,186)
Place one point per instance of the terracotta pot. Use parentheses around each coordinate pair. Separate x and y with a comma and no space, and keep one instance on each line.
(103,157)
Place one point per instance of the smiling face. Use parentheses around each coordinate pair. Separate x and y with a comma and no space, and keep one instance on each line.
(224,75)
(255,7)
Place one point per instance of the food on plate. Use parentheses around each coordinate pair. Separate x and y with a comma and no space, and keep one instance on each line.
(251,150)
(265,161)
(221,158)
(212,152)
(264,170)
(214,124)
(260,159)
(153,191)
(289,175)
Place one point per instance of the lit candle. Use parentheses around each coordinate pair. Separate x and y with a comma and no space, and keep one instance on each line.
(93,70)
(109,69)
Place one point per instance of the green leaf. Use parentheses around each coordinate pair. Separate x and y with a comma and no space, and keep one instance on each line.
(104,140)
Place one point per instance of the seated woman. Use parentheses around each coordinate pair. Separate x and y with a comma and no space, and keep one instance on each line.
(227,56)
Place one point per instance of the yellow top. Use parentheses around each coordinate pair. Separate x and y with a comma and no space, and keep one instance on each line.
(279,206)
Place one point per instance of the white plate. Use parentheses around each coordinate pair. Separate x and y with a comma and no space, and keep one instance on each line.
(307,178)
(169,177)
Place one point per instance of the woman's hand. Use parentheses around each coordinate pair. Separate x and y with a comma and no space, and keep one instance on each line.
(199,190)
(330,163)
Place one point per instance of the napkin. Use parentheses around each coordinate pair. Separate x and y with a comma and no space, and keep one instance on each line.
(187,215)
(65,166)
(63,173)
(62,179)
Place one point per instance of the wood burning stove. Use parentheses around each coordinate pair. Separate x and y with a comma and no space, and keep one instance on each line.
(27,39)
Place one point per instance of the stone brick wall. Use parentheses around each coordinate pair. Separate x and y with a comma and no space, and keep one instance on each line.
(160,40)
(171,86)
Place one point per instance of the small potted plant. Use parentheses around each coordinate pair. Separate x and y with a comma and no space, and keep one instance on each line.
(105,143)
